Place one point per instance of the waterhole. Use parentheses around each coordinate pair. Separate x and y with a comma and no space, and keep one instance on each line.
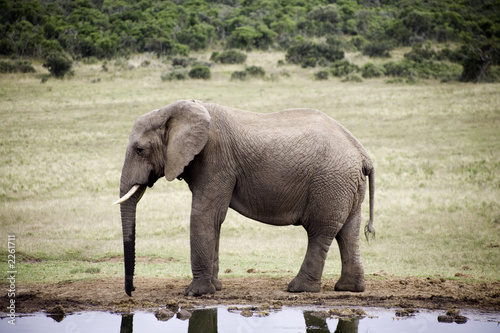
(253,319)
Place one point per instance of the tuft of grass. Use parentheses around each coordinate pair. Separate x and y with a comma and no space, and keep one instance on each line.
(435,147)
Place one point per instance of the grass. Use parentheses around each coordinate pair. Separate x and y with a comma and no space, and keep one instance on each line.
(436,148)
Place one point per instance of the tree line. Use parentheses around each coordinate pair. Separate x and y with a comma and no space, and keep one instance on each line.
(110,28)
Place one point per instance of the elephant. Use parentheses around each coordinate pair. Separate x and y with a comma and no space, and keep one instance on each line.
(293,167)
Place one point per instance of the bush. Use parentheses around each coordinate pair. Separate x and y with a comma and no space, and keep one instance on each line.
(229,57)
(370,70)
(378,49)
(58,64)
(322,74)
(180,62)
(22,66)
(308,54)
(478,60)
(7,67)
(200,72)
(255,71)
(399,69)
(175,74)
(423,69)
(90,60)
(251,71)
(239,75)
(352,78)
(419,54)
(359,42)
(343,67)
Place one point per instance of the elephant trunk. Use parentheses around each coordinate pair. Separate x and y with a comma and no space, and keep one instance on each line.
(128,210)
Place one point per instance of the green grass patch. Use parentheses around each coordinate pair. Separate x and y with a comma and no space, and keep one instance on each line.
(436,149)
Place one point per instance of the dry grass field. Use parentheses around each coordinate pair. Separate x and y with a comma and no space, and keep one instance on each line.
(436,148)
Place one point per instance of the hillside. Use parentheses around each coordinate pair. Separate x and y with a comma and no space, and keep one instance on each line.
(469,30)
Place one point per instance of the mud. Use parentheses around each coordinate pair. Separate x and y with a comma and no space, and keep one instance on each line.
(152,293)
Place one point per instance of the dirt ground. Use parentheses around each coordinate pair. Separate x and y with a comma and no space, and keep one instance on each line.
(152,293)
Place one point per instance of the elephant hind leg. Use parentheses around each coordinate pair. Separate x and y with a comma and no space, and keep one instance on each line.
(352,276)
(309,277)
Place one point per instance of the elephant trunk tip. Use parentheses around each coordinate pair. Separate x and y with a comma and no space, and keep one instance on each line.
(129,285)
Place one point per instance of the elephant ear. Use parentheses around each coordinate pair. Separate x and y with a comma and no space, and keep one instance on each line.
(186,135)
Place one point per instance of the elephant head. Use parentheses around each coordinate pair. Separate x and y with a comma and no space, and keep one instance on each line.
(162,143)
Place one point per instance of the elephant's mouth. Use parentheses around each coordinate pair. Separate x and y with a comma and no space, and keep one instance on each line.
(152,178)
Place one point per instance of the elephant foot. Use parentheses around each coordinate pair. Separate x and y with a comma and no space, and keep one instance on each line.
(299,285)
(217,284)
(200,287)
(352,285)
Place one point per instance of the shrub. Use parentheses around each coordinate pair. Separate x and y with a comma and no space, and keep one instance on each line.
(184,62)
(448,54)
(23,66)
(229,57)
(239,75)
(352,78)
(180,62)
(58,64)
(370,70)
(419,54)
(251,71)
(175,74)
(399,69)
(244,37)
(308,54)
(200,72)
(359,42)
(478,60)
(90,60)
(322,74)
(343,67)
(7,67)
(377,49)
(424,69)
(255,71)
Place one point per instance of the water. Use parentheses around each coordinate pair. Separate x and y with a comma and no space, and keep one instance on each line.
(221,320)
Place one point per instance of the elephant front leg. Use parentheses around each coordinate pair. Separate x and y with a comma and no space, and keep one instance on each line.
(206,220)
(203,244)
(215,270)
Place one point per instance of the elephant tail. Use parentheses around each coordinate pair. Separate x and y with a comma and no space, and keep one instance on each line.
(369,170)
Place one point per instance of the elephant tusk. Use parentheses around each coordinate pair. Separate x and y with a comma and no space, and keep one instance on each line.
(128,195)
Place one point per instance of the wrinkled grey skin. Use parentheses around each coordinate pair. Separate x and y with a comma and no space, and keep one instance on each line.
(295,167)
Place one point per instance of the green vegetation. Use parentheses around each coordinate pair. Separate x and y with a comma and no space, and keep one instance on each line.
(200,72)
(21,66)
(309,54)
(110,29)
(251,71)
(435,147)
(175,74)
(58,64)
(229,57)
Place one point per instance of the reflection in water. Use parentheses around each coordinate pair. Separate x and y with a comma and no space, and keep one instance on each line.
(290,320)
(205,320)
(316,324)
(127,323)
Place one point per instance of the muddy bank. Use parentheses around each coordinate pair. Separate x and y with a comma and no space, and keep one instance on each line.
(409,292)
